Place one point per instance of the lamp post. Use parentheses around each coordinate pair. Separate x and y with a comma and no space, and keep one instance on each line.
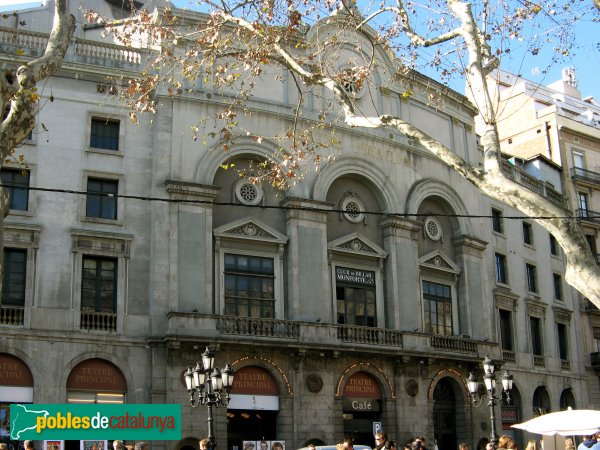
(489,379)
(209,386)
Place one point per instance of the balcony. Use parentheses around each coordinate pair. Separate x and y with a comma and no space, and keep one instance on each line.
(508,356)
(539,361)
(546,190)
(30,44)
(12,315)
(454,344)
(589,216)
(565,364)
(96,321)
(579,174)
(187,327)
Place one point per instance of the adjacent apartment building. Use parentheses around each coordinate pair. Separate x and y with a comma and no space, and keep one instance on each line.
(363,295)
(542,127)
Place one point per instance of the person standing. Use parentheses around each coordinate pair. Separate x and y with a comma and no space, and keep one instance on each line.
(465,446)
(380,440)
(28,445)
(204,444)
(489,446)
(588,442)
(142,446)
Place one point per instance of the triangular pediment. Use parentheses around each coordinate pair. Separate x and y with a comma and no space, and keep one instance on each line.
(438,260)
(357,244)
(250,228)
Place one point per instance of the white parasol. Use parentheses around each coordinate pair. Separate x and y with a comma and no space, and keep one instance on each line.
(572,422)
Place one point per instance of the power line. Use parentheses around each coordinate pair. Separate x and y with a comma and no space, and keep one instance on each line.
(289,208)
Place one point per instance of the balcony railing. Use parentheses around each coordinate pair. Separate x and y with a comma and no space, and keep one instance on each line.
(509,356)
(454,344)
(589,216)
(577,173)
(96,321)
(246,326)
(33,44)
(546,190)
(369,335)
(12,315)
(565,364)
(539,361)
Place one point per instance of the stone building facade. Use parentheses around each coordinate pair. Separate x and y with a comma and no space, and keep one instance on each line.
(365,294)
(554,126)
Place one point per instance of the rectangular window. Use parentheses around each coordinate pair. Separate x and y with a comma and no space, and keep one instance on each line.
(563,347)
(583,204)
(591,239)
(527,233)
(596,339)
(104,134)
(16,183)
(558,290)
(355,297)
(101,200)
(536,336)
(553,246)
(249,286)
(578,160)
(501,273)
(99,285)
(13,277)
(438,308)
(530,270)
(506,329)
(497,221)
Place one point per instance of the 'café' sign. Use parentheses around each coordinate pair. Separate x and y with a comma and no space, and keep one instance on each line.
(347,275)
(361,405)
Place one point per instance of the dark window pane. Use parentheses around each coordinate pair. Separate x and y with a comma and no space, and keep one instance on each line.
(99,284)
(438,308)
(102,198)
(249,286)
(104,134)
(16,184)
(14,277)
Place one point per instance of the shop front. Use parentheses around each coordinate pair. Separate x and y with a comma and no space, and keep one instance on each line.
(362,407)
(16,386)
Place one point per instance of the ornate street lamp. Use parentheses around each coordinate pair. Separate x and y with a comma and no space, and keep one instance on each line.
(209,386)
(489,379)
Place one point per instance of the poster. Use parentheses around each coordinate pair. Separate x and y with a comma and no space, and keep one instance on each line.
(93,445)
(4,419)
(263,445)
(249,445)
(54,445)
(277,445)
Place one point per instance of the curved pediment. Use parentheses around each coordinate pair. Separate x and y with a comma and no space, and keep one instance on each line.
(250,228)
(357,244)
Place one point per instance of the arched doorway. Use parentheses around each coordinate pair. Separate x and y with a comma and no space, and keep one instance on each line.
(512,413)
(567,399)
(16,386)
(444,415)
(362,407)
(253,409)
(95,380)
(541,402)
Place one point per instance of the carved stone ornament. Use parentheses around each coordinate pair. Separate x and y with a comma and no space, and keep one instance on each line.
(314,383)
(352,208)
(247,193)
(411,387)
(433,229)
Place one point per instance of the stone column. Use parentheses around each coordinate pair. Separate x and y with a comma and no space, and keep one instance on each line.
(309,294)
(473,308)
(402,305)
(191,249)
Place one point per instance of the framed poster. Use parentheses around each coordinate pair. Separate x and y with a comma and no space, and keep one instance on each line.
(277,445)
(93,445)
(4,419)
(263,445)
(54,445)
(249,445)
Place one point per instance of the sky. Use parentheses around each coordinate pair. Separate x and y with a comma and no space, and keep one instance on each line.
(585,58)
